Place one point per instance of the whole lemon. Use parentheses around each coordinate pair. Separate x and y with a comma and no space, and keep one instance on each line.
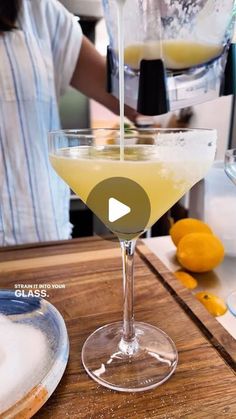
(215,305)
(187,226)
(200,252)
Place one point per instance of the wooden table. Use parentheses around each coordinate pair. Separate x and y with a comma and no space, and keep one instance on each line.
(204,384)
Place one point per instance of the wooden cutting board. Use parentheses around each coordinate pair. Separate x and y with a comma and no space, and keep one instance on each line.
(204,384)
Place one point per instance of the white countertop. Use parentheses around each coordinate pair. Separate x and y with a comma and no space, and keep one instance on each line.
(220,282)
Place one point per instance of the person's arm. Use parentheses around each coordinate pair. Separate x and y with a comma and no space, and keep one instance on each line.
(90,78)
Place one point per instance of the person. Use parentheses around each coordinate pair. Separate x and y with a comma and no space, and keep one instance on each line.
(42,52)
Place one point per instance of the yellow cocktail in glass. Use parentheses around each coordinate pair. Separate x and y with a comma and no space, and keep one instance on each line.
(157,169)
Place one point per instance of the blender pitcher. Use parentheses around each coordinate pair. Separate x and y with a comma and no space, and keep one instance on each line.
(175,51)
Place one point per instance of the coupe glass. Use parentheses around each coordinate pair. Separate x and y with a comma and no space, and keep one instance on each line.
(165,164)
(230,170)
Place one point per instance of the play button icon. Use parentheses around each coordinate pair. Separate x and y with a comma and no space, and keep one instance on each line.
(122,205)
(117,210)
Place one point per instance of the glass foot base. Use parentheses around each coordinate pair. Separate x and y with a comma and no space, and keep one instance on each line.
(142,365)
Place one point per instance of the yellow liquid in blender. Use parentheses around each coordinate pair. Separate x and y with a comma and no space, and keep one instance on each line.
(177,54)
(164,179)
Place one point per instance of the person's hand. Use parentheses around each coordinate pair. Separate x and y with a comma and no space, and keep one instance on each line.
(131,114)
(90,78)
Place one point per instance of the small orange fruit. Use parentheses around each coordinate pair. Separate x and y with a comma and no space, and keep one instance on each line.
(200,252)
(186,279)
(215,305)
(187,226)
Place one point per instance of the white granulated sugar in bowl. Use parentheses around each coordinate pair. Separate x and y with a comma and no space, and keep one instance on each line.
(24,355)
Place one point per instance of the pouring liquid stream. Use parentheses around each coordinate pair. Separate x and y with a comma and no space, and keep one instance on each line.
(120,13)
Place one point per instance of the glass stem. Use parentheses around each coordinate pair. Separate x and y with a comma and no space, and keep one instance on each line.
(128,342)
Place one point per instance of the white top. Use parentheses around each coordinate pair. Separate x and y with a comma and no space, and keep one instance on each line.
(37,64)
(88,8)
